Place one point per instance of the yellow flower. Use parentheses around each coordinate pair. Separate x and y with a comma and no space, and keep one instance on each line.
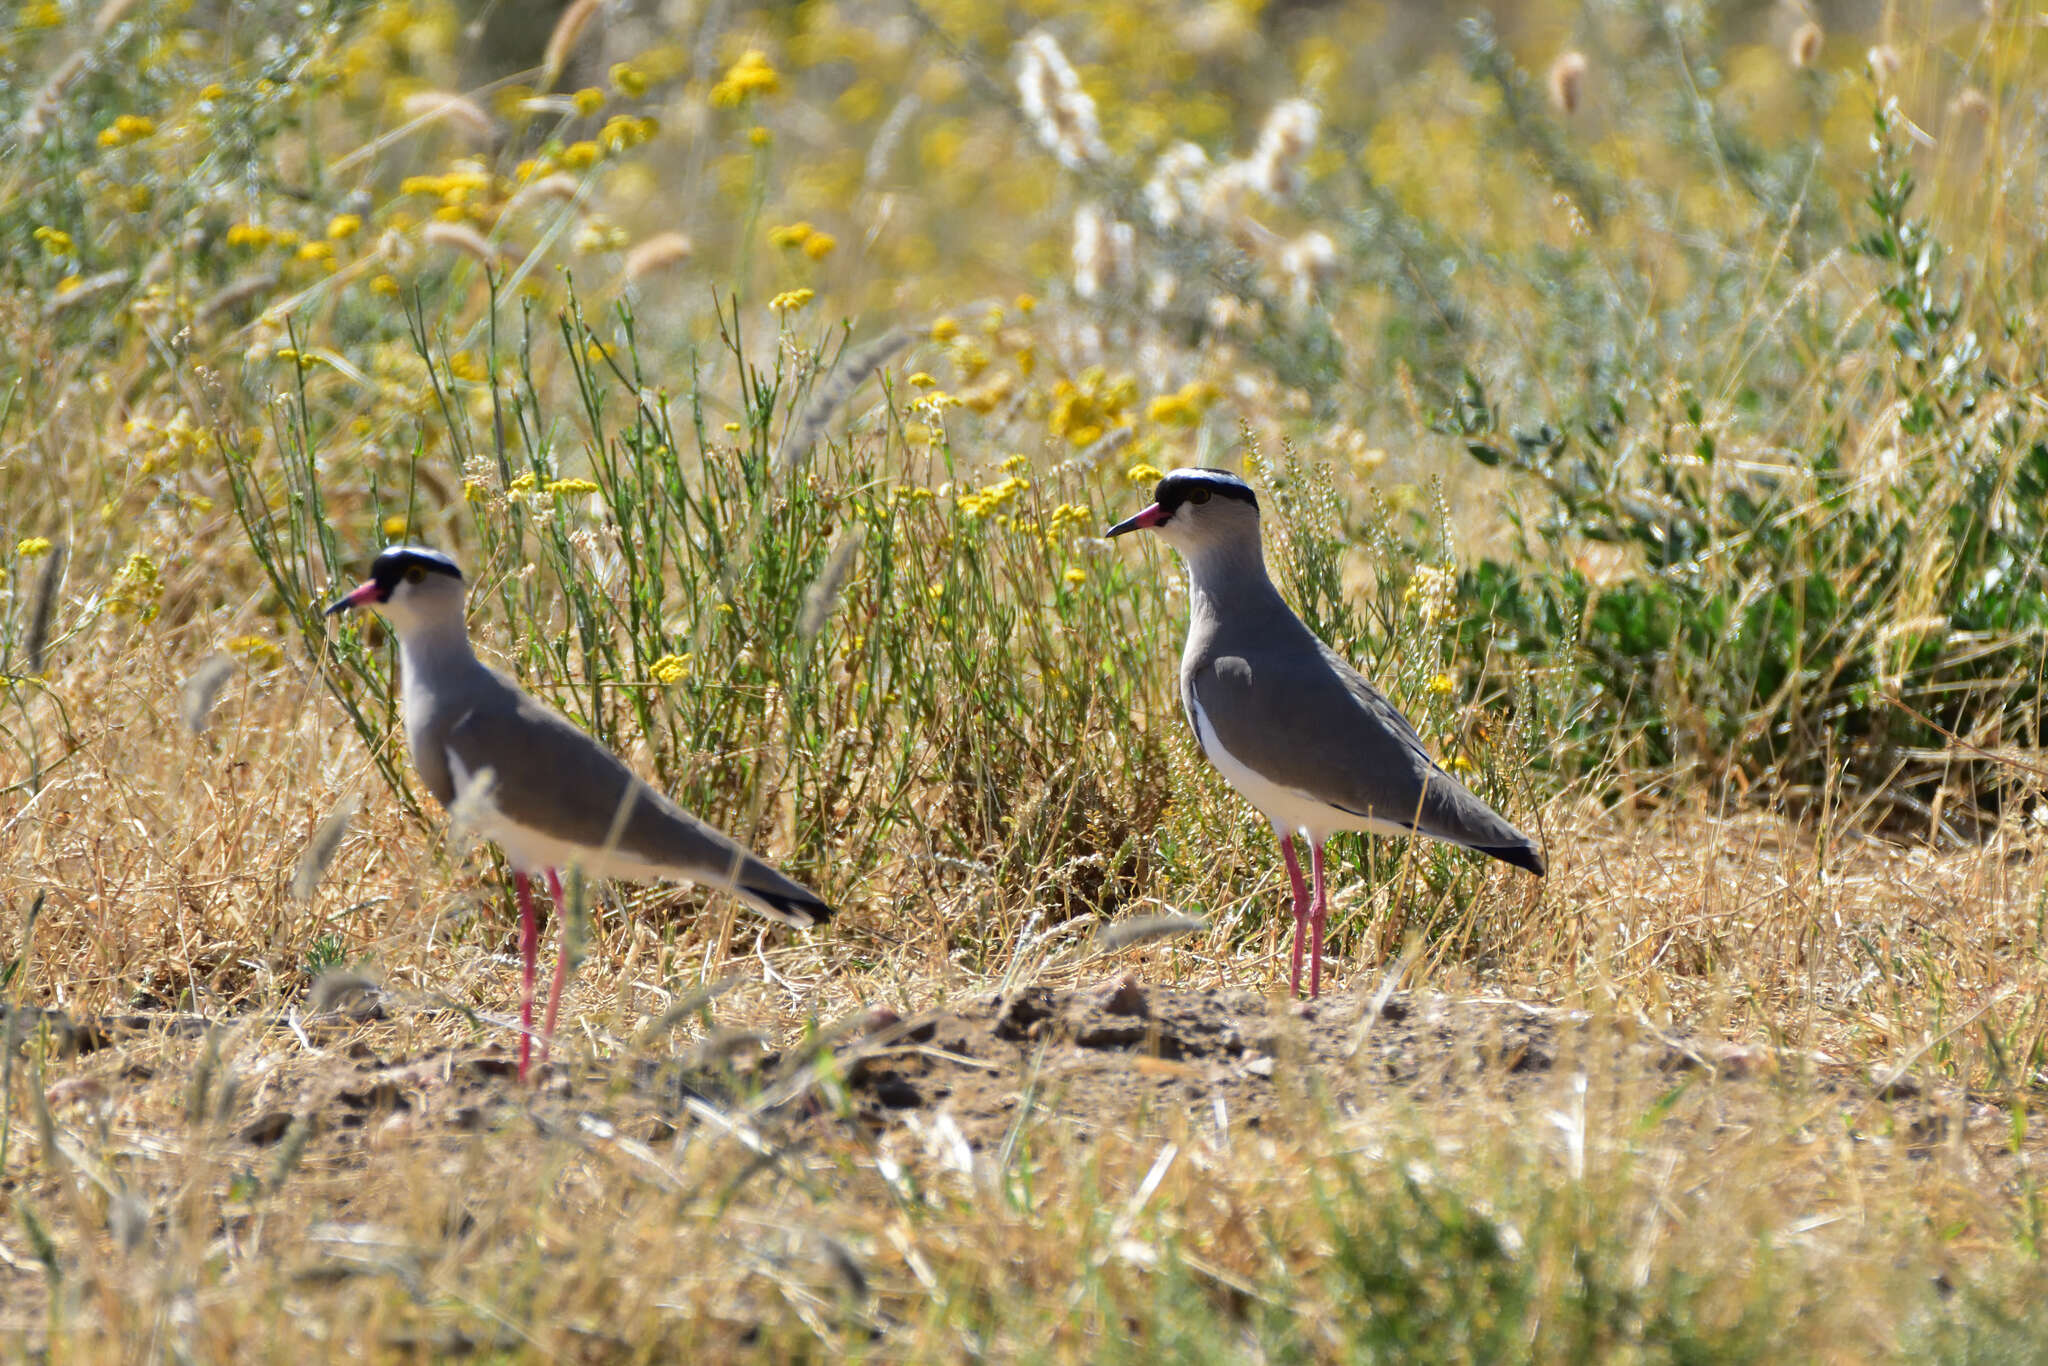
(922,380)
(820,245)
(56,241)
(588,100)
(597,353)
(343,226)
(316,251)
(126,129)
(792,299)
(1441,684)
(581,156)
(750,75)
(69,283)
(568,488)
(1015,464)
(1076,576)
(670,670)
(136,590)
(28,547)
(732,426)
(1143,474)
(384,286)
(258,650)
(212,91)
(760,136)
(1025,303)
(1183,408)
(1460,763)
(628,80)
(944,329)
(790,235)
(394,525)
(465,366)
(626,131)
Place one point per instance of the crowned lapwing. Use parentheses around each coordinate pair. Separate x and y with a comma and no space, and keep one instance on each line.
(555,797)
(1291,726)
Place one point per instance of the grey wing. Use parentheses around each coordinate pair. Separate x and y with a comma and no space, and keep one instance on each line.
(1310,722)
(554,778)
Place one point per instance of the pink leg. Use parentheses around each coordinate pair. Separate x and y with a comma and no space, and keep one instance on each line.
(529,947)
(1318,912)
(1300,903)
(547,1029)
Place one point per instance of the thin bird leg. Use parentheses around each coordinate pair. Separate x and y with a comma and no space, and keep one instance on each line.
(1300,903)
(547,1028)
(529,946)
(1318,912)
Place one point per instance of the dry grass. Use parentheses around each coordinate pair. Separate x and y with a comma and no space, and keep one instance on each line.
(1762,1204)
(1787,1050)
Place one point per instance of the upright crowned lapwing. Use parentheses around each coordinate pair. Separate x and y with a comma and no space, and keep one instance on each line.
(556,798)
(1293,727)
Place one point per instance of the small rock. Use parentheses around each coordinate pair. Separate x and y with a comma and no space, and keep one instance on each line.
(1124,997)
(266,1128)
(1260,1067)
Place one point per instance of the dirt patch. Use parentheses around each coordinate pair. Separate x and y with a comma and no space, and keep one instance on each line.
(1119,1054)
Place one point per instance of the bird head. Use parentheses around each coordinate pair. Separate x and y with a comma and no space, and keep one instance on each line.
(408,585)
(1195,508)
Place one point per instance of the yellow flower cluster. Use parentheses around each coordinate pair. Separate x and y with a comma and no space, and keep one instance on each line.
(790,300)
(56,241)
(623,132)
(628,80)
(1067,515)
(1143,474)
(751,75)
(465,190)
(126,129)
(260,651)
(803,237)
(987,502)
(570,488)
(670,670)
(1441,684)
(136,591)
(1083,411)
(256,235)
(168,442)
(1185,406)
(31,547)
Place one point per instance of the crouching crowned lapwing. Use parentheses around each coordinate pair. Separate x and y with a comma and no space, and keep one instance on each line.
(556,798)
(1295,729)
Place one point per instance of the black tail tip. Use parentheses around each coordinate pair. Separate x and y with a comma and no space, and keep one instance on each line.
(1520,855)
(801,909)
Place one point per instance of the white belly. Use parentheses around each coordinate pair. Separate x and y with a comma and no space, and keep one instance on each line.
(1289,809)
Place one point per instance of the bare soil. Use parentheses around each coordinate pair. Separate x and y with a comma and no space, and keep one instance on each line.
(1119,1054)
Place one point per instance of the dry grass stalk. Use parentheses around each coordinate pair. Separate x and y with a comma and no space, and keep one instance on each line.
(568,31)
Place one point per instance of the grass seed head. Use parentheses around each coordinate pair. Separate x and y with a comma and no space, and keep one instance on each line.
(1567,82)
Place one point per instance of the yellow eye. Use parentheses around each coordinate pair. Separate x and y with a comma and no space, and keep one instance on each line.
(415,574)
(1198,495)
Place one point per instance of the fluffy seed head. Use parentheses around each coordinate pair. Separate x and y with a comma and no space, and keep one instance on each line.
(659,252)
(1567,82)
(1804,48)
(438,106)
